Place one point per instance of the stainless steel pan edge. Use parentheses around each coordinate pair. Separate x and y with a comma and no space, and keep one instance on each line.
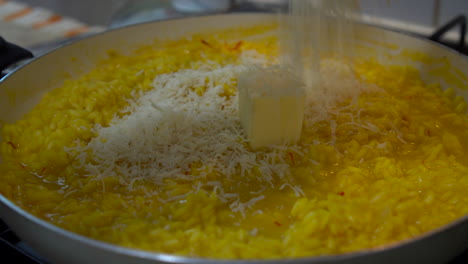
(61,246)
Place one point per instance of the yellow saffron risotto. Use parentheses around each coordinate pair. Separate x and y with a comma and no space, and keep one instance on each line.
(370,170)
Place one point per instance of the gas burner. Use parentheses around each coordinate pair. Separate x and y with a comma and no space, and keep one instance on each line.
(459,46)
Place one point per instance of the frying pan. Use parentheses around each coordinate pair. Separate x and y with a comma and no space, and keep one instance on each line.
(23,88)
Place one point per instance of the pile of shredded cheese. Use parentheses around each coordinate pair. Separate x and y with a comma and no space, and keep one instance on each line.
(183,121)
(187,120)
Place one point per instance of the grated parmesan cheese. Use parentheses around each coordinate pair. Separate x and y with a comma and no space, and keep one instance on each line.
(175,126)
(185,121)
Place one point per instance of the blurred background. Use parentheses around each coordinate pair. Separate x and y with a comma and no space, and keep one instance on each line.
(43,24)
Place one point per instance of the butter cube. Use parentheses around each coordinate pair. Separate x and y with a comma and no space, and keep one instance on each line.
(271,106)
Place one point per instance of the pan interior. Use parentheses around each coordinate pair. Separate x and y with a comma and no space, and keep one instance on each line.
(304,214)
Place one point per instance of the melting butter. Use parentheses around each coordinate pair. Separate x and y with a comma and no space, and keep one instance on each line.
(271,106)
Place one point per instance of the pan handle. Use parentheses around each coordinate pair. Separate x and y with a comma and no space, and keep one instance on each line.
(11,54)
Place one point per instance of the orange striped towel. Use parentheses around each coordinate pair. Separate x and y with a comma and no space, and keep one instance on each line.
(42,20)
